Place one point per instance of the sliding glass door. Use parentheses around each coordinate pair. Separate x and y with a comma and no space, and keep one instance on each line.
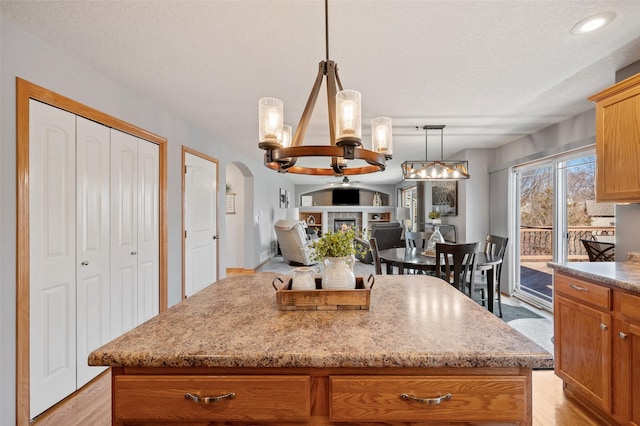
(555,210)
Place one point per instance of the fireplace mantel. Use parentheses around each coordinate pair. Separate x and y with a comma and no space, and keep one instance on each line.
(365,216)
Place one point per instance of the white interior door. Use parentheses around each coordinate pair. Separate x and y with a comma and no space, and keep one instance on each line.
(52,272)
(201,233)
(124,232)
(148,230)
(92,243)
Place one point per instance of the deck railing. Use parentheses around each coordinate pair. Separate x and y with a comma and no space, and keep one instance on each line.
(536,241)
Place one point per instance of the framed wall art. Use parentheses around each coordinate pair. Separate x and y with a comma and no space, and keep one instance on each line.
(283,198)
(444,197)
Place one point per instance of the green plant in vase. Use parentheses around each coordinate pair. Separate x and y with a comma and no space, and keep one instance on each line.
(337,251)
(334,244)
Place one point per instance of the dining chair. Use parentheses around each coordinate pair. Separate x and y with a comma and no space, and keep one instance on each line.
(375,254)
(599,251)
(417,239)
(495,246)
(454,262)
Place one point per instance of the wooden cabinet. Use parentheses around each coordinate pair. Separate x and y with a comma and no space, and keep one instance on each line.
(321,396)
(627,343)
(231,398)
(433,398)
(597,346)
(618,141)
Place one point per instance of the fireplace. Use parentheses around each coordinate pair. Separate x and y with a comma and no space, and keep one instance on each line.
(342,224)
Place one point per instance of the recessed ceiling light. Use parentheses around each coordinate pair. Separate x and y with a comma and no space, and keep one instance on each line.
(593,23)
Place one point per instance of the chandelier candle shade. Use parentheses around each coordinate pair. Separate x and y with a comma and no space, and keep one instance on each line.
(435,169)
(381,136)
(271,113)
(345,130)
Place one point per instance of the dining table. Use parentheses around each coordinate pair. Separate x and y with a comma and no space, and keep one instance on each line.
(415,259)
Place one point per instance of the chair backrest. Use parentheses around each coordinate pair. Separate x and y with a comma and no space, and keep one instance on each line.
(293,242)
(417,239)
(376,255)
(387,237)
(447,231)
(599,251)
(380,225)
(496,246)
(454,262)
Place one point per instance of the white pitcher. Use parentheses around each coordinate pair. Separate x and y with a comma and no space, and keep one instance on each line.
(338,273)
(303,279)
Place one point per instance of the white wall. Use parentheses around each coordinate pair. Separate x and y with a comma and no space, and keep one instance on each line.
(574,133)
(472,222)
(26,56)
(234,248)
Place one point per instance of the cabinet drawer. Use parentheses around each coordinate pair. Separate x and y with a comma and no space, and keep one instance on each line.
(473,398)
(258,398)
(577,289)
(630,305)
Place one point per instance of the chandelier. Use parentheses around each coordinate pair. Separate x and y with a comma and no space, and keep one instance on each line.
(282,150)
(435,169)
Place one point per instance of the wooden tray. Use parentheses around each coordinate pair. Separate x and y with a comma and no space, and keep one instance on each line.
(323,299)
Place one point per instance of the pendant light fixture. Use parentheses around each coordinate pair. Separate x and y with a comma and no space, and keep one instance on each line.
(435,169)
(345,130)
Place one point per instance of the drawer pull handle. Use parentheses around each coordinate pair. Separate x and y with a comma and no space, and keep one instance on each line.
(622,335)
(603,326)
(209,399)
(578,288)
(428,401)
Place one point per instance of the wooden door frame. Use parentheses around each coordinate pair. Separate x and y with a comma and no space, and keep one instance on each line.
(25,91)
(187,150)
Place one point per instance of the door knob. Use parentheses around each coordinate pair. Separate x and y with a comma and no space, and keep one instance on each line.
(85,263)
(215,237)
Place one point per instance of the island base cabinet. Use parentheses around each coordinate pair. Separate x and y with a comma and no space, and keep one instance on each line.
(437,398)
(148,399)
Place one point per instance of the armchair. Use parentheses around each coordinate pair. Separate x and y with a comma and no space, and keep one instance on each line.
(294,244)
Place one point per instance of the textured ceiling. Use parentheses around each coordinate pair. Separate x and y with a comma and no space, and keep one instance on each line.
(491,71)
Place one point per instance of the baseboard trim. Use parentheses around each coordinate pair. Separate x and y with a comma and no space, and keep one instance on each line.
(240,271)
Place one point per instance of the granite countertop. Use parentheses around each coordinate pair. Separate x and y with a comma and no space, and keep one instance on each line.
(624,275)
(413,321)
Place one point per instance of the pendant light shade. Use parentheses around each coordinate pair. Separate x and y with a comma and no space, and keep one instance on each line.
(270,116)
(435,169)
(381,136)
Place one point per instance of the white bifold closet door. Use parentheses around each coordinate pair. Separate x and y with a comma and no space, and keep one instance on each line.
(52,264)
(94,245)
(135,245)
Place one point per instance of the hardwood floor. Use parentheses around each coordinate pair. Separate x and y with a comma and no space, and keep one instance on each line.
(92,405)
(552,408)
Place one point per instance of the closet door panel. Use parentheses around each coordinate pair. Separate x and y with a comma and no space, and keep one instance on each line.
(148,230)
(92,201)
(124,232)
(52,273)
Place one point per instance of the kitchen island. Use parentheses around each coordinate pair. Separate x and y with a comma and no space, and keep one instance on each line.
(423,352)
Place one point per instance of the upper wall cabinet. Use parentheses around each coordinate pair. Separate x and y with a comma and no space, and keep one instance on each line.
(618,142)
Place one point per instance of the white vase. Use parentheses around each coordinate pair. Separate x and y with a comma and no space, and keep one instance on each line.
(338,273)
(302,279)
